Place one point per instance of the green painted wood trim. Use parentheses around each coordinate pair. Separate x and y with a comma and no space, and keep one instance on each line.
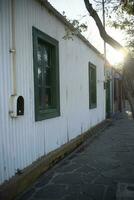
(51,112)
(91,104)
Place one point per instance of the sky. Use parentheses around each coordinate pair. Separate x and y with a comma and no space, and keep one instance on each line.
(75,9)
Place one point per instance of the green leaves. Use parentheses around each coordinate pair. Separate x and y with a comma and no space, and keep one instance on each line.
(77,28)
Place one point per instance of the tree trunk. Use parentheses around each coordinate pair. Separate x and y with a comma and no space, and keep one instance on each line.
(107,38)
(129,96)
(128,82)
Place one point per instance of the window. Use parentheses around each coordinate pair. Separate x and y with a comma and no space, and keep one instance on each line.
(92,86)
(46,75)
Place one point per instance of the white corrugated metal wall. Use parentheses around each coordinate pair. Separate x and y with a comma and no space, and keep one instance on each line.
(22,140)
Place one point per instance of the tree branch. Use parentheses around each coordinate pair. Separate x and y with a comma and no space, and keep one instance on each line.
(107,38)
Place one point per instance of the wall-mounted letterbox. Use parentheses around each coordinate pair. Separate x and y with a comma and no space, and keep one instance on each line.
(20,105)
(16,106)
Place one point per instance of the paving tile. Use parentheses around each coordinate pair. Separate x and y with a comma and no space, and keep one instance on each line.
(53,191)
(125,191)
(93,172)
(110,193)
(27,195)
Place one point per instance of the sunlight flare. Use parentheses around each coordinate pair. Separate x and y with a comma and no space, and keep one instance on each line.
(116,57)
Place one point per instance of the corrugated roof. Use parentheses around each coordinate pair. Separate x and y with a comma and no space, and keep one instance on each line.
(49,7)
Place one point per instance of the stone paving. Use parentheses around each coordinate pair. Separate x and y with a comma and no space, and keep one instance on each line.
(95,171)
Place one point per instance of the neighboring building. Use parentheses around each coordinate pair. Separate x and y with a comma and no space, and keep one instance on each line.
(119,98)
(109,89)
(114,91)
(51,89)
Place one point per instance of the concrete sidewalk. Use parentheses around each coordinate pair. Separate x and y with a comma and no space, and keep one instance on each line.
(100,169)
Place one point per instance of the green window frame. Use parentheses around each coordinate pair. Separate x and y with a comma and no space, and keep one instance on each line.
(46,75)
(92,86)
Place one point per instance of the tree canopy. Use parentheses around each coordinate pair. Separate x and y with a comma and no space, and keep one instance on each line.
(124,20)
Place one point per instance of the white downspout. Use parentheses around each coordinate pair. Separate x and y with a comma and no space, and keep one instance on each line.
(13,49)
(13,97)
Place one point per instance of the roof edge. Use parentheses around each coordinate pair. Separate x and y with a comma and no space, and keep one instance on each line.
(57,14)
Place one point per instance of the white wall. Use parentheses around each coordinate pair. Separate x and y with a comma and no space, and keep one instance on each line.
(22,140)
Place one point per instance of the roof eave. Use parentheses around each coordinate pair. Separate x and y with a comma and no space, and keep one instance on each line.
(49,7)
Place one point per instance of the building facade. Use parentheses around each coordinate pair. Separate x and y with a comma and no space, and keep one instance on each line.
(51,89)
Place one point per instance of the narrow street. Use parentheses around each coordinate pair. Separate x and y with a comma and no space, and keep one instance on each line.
(101,169)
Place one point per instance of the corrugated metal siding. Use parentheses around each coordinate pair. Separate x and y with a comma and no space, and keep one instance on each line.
(6,148)
(22,140)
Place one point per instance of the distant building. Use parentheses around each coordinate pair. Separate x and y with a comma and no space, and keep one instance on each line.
(114,91)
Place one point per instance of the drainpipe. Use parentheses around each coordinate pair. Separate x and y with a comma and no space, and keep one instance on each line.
(13,97)
(13,48)
(16,102)
(104,24)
